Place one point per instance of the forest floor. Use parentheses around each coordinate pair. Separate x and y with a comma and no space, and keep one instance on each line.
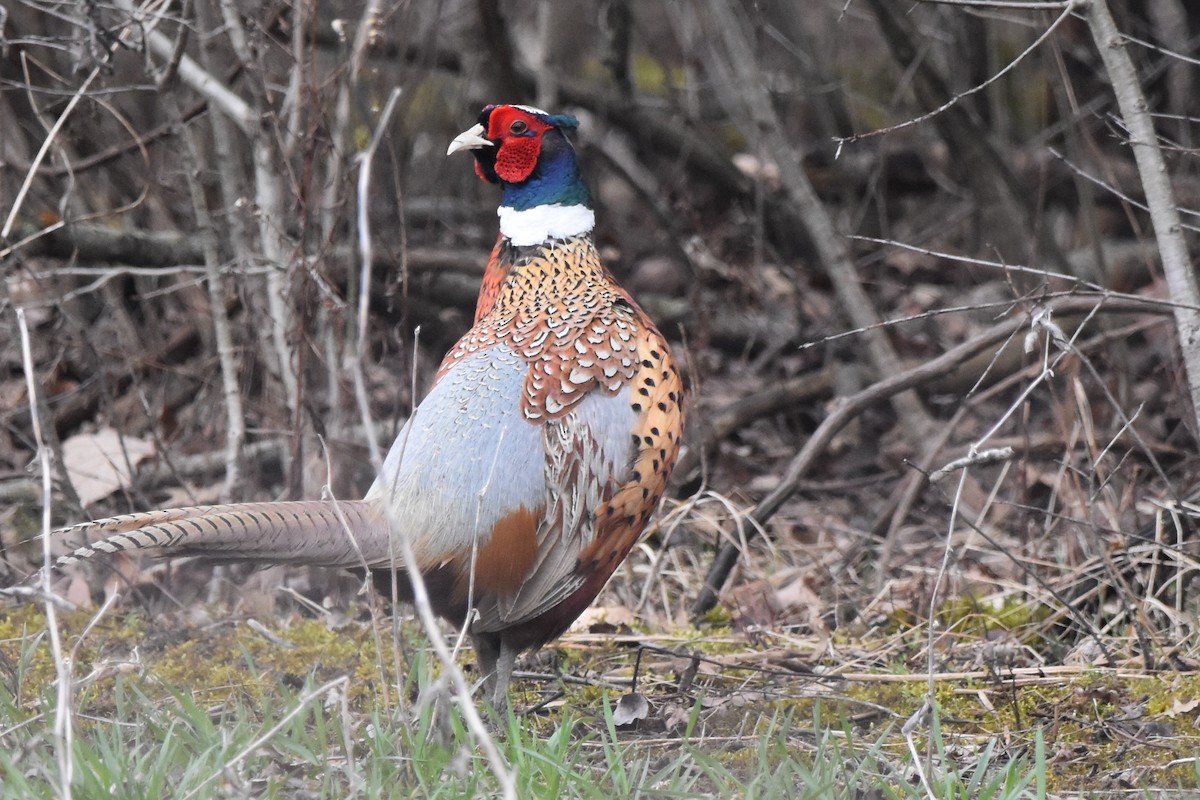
(733,707)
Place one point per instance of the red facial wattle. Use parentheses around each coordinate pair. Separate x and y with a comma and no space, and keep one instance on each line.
(518,147)
(528,153)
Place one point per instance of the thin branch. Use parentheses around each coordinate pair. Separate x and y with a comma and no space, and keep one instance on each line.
(1044,273)
(365,160)
(365,36)
(64,750)
(834,256)
(47,142)
(1067,7)
(1022,5)
(227,353)
(401,554)
(191,73)
(852,406)
(1160,198)
(1113,190)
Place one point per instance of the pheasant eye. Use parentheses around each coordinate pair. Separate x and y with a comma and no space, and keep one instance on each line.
(518,127)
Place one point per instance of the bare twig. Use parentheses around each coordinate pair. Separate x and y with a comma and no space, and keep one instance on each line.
(851,406)
(1160,198)
(1005,204)
(227,354)
(1116,192)
(365,160)
(1067,9)
(47,142)
(271,217)
(63,731)
(978,457)
(1022,5)
(1043,273)
(835,257)
(365,36)
(402,539)
(191,73)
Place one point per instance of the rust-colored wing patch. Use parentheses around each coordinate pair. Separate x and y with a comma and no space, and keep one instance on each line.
(502,564)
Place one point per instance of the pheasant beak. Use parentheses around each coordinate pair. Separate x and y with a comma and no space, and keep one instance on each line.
(471,139)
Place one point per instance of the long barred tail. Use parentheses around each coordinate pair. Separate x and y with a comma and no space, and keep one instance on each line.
(312,532)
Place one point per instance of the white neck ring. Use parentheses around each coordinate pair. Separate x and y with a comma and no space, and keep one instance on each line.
(536,225)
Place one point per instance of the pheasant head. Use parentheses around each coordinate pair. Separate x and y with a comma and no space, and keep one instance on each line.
(526,151)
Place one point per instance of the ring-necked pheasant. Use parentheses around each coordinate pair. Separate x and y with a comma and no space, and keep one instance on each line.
(539,454)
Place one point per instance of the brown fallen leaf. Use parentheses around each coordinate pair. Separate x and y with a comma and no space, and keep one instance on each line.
(1179,707)
(100,463)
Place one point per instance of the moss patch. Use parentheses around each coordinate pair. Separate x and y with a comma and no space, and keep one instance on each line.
(1102,728)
